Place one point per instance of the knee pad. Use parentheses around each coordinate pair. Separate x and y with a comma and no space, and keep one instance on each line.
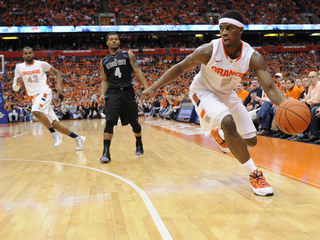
(136,127)
(109,127)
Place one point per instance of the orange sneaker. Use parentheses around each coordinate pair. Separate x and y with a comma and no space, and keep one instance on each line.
(221,143)
(259,185)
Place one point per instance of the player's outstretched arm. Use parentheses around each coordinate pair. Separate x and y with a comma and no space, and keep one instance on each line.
(136,68)
(199,56)
(258,64)
(58,79)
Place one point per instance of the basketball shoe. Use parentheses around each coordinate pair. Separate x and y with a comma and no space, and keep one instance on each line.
(80,140)
(259,185)
(139,150)
(217,136)
(105,156)
(57,139)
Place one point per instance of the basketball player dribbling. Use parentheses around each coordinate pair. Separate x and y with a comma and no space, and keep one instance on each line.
(222,115)
(33,74)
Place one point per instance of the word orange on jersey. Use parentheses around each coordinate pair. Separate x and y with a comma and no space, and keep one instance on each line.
(37,71)
(227,73)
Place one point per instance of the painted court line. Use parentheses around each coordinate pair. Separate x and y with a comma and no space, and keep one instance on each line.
(153,212)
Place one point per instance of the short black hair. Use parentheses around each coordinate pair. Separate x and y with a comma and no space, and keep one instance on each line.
(112,33)
(27,48)
(290,79)
(232,14)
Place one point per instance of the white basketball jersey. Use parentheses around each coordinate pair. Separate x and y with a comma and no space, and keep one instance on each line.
(221,73)
(34,76)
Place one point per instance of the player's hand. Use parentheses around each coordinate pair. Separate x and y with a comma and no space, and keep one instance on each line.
(19,80)
(102,99)
(59,88)
(147,94)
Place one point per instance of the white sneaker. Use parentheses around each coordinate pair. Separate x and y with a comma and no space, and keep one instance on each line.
(57,139)
(80,140)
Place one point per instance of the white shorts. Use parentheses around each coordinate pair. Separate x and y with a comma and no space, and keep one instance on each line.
(212,107)
(42,103)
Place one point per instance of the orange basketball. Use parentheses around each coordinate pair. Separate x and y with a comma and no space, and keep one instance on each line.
(293,117)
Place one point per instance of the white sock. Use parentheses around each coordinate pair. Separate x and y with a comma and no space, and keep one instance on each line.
(249,166)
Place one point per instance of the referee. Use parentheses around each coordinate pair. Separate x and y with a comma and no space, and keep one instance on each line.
(118,94)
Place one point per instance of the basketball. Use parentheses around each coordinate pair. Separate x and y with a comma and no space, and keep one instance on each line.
(293,117)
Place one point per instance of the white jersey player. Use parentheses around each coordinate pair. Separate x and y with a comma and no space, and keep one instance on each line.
(222,115)
(33,74)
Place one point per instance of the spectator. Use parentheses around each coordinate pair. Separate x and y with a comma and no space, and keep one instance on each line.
(256,91)
(65,109)
(13,112)
(313,101)
(241,92)
(293,92)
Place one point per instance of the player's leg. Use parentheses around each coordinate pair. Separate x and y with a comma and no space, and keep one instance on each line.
(239,132)
(63,129)
(107,137)
(136,128)
(112,111)
(129,114)
(43,111)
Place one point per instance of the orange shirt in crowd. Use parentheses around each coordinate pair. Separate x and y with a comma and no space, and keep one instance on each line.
(243,94)
(295,93)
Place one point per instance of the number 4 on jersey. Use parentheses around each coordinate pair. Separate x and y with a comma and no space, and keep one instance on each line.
(117,72)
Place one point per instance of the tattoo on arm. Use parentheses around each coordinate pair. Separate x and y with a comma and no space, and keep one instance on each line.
(134,62)
(258,62)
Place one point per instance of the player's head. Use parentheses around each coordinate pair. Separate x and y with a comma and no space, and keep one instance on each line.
(113,41)
(231,26)
(27,53)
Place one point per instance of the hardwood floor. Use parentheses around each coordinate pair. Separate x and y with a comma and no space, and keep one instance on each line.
(181,188)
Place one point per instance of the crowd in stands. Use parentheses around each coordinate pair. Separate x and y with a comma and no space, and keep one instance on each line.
(306,88)
(309,7)
(130,42)
(159,12)
(261,12)
(49,13)
(155,12)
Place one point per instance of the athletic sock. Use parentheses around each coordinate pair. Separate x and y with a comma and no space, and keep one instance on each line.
(249,166)
(51,129)
(106,143)
(138,140)
(73,135)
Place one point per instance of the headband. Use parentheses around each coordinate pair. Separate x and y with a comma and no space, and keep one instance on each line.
(232,21)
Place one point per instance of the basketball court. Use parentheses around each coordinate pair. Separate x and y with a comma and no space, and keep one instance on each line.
(183,187)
